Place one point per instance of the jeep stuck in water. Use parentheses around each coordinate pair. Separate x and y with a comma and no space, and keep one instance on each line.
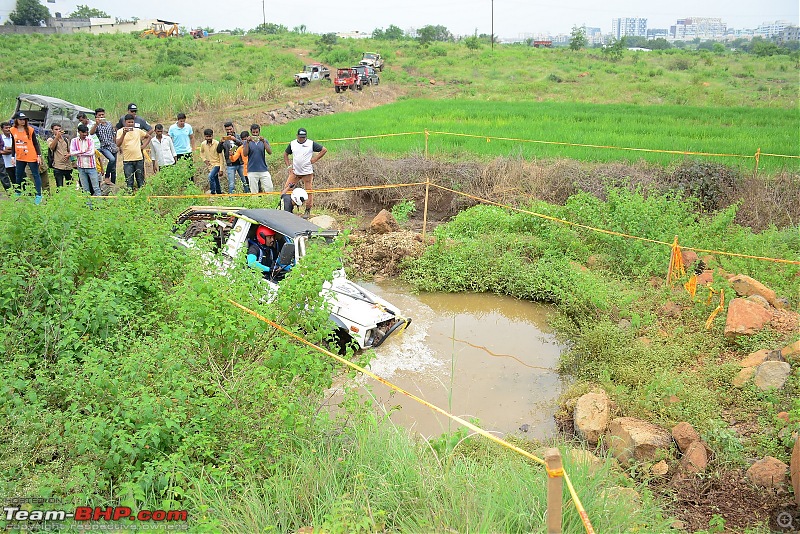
(359,315)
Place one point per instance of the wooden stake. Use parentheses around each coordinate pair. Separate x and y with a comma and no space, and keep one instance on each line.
(555,477)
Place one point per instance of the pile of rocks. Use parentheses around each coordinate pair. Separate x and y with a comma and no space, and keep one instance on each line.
(299,110)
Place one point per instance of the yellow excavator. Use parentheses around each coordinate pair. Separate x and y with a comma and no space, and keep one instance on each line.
(162,28)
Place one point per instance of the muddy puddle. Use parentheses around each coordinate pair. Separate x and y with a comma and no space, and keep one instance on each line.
(478,356)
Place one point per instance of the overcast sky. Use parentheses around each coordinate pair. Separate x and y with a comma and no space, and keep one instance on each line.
(511,17)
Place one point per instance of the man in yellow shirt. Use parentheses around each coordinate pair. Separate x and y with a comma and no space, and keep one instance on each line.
(131,141)
(212,159)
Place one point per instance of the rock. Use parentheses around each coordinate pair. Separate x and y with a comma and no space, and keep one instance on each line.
(637,440)
(592,412)
(672,399)
(383,223)
(695,459)
(689,258)
(678,525)
(783,416)
(744,375)
(768,472)
(791,351)
(745,318)
(624,324)
(524,427)
(772,375)
(684,435)
(754,359)
(775,356)
(671,309)
(761,301)
(659,469)
(705,278)
(324,221)
(592,261)
(746,286)
(795,470)
(781,303)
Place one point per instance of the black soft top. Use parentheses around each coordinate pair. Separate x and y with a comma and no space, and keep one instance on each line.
(281,221)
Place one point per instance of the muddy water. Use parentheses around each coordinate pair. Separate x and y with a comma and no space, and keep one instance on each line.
(479,356)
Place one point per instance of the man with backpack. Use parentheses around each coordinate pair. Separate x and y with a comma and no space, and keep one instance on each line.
(58,156)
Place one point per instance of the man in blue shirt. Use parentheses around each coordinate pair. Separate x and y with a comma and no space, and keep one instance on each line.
(182,136)
(256,150)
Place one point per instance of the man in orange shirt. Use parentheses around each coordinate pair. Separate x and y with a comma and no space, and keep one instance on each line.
(27,152)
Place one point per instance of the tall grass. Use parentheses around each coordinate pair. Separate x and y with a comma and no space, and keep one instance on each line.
(373,477)
(709,130)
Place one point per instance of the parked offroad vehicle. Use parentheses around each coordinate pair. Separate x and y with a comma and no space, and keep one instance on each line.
(367,75)
(373,60)
(347,79)
(359,315)
(315,71)
(43,111)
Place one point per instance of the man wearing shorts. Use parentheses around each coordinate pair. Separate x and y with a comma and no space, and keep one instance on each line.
(305,153)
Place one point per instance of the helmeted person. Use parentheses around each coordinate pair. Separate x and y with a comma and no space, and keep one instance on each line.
(296,199)
(263,252)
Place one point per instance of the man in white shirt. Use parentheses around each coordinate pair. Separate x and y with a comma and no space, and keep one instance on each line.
(9,168)
(305,153)
(163,149)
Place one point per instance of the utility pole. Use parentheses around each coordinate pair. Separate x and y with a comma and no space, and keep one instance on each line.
(264,13)
(492,25)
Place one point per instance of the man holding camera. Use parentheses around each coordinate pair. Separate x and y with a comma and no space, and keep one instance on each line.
(131,141)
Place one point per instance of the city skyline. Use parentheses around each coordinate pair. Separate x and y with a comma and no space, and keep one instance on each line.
(461,17)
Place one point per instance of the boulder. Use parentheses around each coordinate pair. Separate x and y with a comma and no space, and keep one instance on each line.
(791,352)
(768,472)
(671,309)
(705,278)
(584,457)
(754,359)
(324,221)
(684,435)
(659,469)
(383,223)
(592,412)
(772,375)
(695,459)
(781,303)
(745,318)
(744,375)
(636,440)
(795,469)
(761,301)
(689,258)
(746,286)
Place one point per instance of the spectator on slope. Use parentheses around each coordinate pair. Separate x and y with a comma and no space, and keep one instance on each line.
(8,172)
(27,152)
(182,135)
(239,157)
(228,145)
(256,150)
(131,141)
(212,157)
(138,122)
(83,148)
(305,153)
(106,134)
(162,149)
(59,149)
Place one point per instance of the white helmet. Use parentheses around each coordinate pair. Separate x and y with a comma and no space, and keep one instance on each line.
(299,196)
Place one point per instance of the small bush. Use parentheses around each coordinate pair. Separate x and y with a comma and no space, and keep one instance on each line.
(712,184)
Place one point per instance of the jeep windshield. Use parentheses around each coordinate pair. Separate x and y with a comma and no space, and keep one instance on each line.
(368,55)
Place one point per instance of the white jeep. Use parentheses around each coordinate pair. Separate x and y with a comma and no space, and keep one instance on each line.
(359,314)
(315,71)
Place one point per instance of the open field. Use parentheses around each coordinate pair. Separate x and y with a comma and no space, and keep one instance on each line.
(129,379)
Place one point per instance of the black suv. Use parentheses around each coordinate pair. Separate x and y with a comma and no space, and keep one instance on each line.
(367,74)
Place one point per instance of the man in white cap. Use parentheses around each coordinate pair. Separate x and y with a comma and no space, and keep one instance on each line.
(305,153)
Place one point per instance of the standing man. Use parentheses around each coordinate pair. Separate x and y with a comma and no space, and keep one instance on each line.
(182,136)
(59,149)
(9,170)
(305,153)
(212,157)
(83,147)
(138,122)
(227,146)
(132,140)
(256,150)
(162,149)
(105,132)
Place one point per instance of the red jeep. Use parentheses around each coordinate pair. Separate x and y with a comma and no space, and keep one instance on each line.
(347,78)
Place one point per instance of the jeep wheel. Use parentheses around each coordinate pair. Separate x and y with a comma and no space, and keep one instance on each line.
(353,87)
(338,89)
(303,83)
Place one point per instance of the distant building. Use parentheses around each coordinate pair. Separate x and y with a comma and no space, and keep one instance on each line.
(355,34)
(624,27)
(772,29)
(658,33)
(698,28)
(594,36)
(790,33)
